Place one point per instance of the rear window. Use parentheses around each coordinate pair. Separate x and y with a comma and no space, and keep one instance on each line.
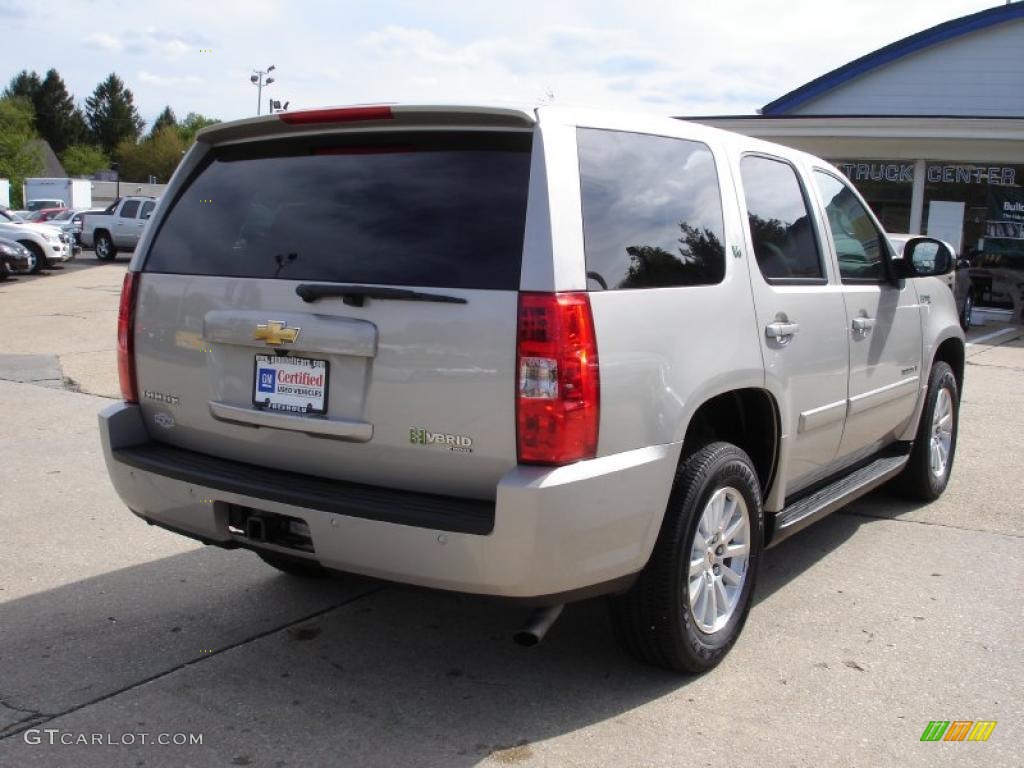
(424,209)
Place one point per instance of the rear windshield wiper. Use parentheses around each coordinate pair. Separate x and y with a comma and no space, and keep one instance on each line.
(356,295)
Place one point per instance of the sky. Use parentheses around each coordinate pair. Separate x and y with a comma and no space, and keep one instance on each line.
(678,57)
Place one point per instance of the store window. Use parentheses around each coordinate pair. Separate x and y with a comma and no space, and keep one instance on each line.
(887,185)
(979,209)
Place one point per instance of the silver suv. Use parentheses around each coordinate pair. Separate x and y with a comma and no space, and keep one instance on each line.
(542,354)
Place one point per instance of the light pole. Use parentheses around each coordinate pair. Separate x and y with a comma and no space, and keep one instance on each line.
(257,79)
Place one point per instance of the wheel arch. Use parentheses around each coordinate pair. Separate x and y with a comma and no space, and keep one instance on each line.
(952,352)
(748,418)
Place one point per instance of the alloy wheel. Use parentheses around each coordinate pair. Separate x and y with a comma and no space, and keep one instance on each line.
(718,560)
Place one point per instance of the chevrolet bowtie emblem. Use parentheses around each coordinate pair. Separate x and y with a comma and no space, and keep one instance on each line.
(275,332)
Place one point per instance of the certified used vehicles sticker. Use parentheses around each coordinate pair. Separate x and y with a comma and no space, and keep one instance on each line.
(453,443)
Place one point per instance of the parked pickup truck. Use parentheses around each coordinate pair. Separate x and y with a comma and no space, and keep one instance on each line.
(119,227)
(542,354)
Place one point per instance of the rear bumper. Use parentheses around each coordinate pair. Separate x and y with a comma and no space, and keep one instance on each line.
(549,530)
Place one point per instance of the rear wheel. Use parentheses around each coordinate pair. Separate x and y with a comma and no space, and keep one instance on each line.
(293,566)
(5,271)
(931,460)
(105,250)
(690,602)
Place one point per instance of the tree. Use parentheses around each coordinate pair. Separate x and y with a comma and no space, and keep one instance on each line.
(58,120)
(157,156)
(24,85)
(19,158)
(165,120)
(83,160)
(112,115)
(192,124)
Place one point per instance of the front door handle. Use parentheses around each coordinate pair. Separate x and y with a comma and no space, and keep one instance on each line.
(780,330)
(863,324)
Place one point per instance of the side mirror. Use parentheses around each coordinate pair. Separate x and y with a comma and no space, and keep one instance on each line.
(925,257)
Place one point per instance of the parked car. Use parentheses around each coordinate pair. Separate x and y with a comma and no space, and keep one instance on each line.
(118,227)
(540,354)
(47,242)
(44,214)
(14,258)
(959,280)
(70,221)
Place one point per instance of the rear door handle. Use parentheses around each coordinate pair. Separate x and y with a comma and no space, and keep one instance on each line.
(863,324)
(781,331)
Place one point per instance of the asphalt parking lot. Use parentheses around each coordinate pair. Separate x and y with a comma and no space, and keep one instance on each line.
(866,626)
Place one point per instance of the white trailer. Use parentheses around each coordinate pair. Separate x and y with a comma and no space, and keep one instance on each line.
(75,193)
(5,192)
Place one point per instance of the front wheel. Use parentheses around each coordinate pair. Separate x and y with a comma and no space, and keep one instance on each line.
(690,602)
(41,262)
(931,460)
(965,315)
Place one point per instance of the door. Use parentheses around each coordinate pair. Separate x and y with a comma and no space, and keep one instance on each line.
(884,323)
(125,224)
(801,318)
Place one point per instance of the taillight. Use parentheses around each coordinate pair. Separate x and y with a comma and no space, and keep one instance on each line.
(558,403)
(335,115)
(126,337)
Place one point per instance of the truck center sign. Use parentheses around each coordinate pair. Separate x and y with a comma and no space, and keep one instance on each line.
(903,173)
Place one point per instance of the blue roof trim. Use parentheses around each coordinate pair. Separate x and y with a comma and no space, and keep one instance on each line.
(908,45)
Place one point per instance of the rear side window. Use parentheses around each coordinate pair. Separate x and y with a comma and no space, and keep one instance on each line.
(129,209)
(147,209)
(781,227)
(652,211)
(423,209)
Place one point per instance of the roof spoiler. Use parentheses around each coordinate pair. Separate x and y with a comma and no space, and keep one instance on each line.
(333,119)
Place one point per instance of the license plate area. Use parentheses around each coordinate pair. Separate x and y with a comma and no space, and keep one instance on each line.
(290,384)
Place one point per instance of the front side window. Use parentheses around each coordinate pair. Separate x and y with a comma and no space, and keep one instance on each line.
(652,211)
(781,227)
(130,208)
(859,243)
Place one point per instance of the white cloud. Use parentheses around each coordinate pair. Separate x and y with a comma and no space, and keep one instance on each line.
(168,81)
(103,42)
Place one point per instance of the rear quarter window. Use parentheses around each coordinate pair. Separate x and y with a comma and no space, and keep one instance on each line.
(652,211)
(423,209)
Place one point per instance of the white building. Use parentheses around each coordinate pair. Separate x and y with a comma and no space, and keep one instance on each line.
(931,130)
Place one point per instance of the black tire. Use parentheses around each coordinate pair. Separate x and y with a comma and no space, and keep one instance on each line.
(918,481)
(653,620)
(105,249)
(41,260)
(965,313)
(293,566)
(5,271)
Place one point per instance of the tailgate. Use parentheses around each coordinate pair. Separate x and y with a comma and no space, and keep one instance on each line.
(342,306)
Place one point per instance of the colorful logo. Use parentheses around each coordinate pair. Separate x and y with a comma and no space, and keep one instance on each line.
(958,730)
(267,380)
